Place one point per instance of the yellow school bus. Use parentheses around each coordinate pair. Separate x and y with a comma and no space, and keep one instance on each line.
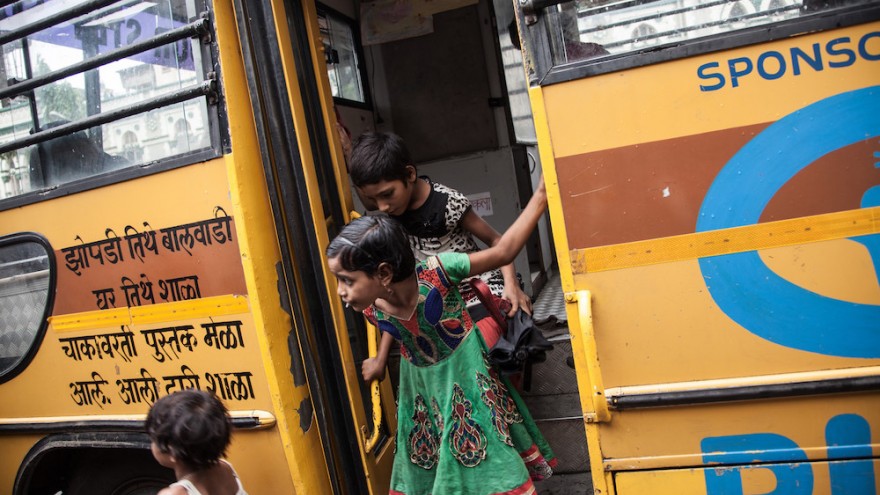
(171,172)
(169,185)
(716,222)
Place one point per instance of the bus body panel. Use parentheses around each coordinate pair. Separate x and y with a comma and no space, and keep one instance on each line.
(806,477)
(721,211)
(145,306)
(807,427)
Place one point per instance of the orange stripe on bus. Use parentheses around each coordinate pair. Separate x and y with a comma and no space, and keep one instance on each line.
(153,313)
(735,240)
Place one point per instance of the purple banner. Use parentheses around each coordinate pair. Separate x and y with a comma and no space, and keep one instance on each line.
(104,33)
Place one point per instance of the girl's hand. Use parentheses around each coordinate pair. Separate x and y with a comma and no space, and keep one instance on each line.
(517,298)
(373,369)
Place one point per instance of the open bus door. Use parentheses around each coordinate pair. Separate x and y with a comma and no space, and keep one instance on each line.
(713,182)
(230,102)
(293,105)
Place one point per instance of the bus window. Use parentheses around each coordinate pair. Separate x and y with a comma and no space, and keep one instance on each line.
(24,299)
(342,50)
(614,35)
(514,77)
(89,93)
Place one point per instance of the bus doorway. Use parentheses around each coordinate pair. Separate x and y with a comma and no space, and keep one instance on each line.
(454,88)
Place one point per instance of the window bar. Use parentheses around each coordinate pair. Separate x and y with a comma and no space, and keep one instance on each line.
(703,26)
(616,6)
(57,18)
(29,72)
(206,88)
(196,28)
(660,15)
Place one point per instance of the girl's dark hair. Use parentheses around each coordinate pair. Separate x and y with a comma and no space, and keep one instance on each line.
(371,240)
(378,156)
(191,425)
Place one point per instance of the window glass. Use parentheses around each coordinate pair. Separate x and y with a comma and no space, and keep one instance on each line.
(341,50)
(514,74)
(592,29)
(106,90)
(24,294)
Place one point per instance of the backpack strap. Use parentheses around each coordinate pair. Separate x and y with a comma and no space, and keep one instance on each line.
(488,300)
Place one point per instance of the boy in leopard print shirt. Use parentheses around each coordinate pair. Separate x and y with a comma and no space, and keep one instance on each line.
(436,218)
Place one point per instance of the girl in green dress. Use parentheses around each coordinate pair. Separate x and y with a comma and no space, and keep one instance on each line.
(462,428)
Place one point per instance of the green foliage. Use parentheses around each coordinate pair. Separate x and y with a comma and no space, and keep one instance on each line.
(59,100)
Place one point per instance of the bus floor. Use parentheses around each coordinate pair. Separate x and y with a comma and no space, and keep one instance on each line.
(550,391)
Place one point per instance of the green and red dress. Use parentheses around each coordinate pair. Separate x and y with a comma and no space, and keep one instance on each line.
(461,427)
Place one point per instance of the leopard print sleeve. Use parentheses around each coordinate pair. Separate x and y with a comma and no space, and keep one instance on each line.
(457,205)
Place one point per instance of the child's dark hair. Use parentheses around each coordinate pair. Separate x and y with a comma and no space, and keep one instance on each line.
(191,425)
(378,156)
(371,240)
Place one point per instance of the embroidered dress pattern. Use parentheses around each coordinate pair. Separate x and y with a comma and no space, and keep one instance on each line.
(423,439)
(466,439)
(502,400)
(446,438)
(539,468)
(438,416)
(492,398)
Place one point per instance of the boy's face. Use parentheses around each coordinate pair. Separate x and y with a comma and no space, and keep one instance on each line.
(357,289)
(391,197)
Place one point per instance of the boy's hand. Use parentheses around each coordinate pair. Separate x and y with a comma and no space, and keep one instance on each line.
(517,298)
(373,369)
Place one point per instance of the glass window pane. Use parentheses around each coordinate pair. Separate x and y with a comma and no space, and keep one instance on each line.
(592,29)
(341,50)
(150,136)
(514,74)
(24,293)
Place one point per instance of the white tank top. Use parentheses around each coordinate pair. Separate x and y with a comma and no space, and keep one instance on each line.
(192,490)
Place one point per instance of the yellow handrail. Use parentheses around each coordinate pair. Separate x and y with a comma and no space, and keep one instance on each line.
(376,396)
(591,355)
(370,440)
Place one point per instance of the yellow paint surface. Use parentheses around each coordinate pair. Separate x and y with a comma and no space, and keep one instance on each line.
(664,101)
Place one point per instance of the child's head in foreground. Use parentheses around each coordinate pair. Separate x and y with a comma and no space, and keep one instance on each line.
(368,249)
(190,426)
(377,157)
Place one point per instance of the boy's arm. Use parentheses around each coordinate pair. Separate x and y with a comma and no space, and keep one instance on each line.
(374,368)
(481,229)
(513,240)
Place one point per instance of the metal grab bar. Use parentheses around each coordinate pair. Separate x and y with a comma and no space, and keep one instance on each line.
(370,440)
(597,392)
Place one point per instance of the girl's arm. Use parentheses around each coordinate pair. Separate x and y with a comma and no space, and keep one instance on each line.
(374,368)
(513,240)
(475,224)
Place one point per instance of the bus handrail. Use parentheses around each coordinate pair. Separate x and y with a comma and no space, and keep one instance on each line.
(253,419)
(371,440)
(597,393)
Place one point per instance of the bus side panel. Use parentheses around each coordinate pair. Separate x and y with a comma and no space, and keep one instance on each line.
(849,476)
(804,428)
(721,210)
(148,301)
